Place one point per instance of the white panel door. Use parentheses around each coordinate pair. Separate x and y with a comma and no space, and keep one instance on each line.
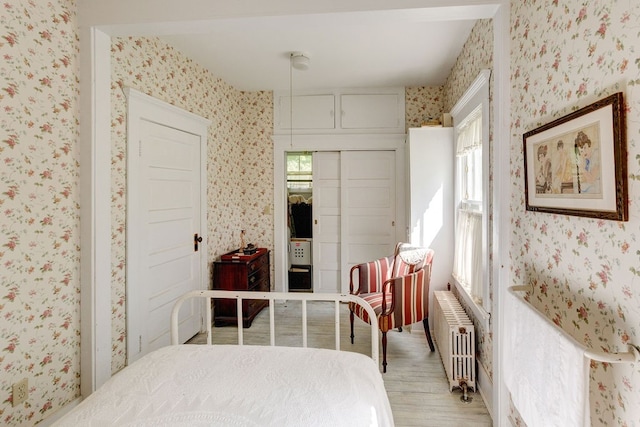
(369,213)
(169,218)
(326,221)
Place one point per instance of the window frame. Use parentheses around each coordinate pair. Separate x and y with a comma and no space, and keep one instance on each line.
(299,180)
(477,94)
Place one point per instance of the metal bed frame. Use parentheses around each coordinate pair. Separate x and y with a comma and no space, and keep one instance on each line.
(239,296)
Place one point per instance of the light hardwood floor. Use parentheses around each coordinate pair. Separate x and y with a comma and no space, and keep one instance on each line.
(415,380)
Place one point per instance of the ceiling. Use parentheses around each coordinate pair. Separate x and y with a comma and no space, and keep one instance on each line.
(347,50)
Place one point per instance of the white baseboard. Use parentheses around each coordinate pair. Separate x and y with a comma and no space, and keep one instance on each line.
(485,387)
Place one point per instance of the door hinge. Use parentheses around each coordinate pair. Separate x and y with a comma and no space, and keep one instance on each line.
(140,148)
(140,343)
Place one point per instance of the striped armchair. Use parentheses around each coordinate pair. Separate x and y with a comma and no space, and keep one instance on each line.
(397,287)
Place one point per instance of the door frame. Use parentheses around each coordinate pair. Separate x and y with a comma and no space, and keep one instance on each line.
(348,142)
(144,107)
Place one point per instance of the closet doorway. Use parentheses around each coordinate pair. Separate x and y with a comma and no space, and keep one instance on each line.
(342,209)
(341,165)
(299,220)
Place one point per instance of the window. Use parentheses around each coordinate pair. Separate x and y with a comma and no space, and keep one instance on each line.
(471,265)
(299,171)
(467,266)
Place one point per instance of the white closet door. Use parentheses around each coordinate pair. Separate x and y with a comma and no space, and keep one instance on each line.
(326,221)
(369,208)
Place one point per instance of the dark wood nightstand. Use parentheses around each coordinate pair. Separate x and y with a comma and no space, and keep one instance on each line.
(241,273)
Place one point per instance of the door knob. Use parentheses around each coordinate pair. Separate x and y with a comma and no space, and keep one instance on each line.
(196,239)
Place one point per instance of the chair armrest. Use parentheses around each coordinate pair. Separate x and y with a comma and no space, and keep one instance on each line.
(371,275)
(353,269)
(388,291)
(410,290)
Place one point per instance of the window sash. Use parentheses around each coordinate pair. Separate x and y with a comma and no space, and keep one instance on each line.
(467,263)
(471,119)
(470,176)
(468,255)
(469,133)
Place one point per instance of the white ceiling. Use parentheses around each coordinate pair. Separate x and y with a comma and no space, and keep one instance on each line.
(347,50)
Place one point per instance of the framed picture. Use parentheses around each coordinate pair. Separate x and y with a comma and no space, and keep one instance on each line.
(577,164)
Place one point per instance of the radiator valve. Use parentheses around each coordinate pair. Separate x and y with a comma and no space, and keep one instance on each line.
(465,392)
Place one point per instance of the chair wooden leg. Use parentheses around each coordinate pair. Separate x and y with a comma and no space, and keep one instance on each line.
(351,320)
(427,332)
(384,352)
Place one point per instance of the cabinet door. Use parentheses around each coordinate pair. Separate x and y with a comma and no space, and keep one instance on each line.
(372,111)
(310,112)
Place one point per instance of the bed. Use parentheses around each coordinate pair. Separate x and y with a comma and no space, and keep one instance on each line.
(244,385)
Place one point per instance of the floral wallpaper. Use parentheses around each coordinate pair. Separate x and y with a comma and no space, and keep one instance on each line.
(240,163)
(256,170)
(422,104)
(39,203)
(476,54)
(585,272)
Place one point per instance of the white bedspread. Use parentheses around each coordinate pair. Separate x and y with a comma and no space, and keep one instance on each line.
(226,385)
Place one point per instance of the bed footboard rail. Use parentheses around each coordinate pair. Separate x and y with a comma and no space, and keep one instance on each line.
(272,297)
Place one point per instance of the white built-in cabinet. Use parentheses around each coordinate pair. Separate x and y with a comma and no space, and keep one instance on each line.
(341,111)
(430,204)
(357,137)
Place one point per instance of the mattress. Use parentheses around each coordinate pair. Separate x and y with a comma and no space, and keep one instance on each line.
(228,385)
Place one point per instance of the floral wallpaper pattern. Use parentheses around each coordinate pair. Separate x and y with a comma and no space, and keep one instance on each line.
(476,55)
(240,163)
(585,272)
(39,204)
(422,104)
